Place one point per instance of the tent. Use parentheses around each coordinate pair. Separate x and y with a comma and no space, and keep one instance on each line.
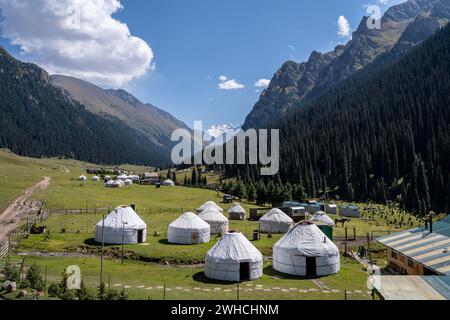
(168,183)
(122,177)
(237,212)
(275,221)
(234,258)
(113,184)
(189,229)
(128,182)
(82,178)
(123,222)
(322,218)
(95,178)
(216,220)
(209,204)
(306,251)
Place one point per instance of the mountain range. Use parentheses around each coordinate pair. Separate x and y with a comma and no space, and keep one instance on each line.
(59,116)
(403,27)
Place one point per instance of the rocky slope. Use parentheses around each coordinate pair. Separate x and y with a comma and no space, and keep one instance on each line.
(402,27)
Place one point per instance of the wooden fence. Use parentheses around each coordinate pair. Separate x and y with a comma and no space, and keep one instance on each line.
(4,249)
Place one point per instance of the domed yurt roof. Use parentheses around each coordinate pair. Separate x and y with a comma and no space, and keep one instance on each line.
(212,215)
(234,247)
(95,178)
(306,239)
(276,215)
(189,221)
(237,208)
(122,214)
(209,204)
(82,178)
(321,217)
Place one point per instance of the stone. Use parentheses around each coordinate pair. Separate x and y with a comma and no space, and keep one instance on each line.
(9,286)
(22,293)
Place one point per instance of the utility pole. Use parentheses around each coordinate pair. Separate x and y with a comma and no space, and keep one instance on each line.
(103,249)
(123,238)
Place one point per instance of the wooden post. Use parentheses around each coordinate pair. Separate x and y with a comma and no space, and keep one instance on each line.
(354,233)
(345,295)
(346,234)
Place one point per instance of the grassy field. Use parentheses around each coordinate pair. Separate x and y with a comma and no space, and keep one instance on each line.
(146,281)
(149,266)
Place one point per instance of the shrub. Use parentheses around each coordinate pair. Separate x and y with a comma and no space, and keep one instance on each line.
(11,273)
(33,278)
(53,290)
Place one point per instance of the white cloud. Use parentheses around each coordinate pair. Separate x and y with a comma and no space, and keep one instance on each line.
(262,83)
(343,27)
(232,84)
(78,38)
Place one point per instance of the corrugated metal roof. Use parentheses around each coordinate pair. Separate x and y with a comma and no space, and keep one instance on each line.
(429,249)
(414,287)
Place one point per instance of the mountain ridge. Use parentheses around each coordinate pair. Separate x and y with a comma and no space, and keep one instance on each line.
(413,17)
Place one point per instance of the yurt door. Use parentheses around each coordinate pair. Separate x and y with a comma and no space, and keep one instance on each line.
(311,267)
(140,236)
(244,271)
(194,237)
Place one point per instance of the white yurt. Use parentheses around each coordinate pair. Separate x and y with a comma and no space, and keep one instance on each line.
(306,251)
(209,204)
(189,229)
(217,221)
(234,258)
(321,217)
(96,178)
(113,184)
(237,212)
(275,221)
(128,182)
(107,178)
(122,177)
(168,183)
(82,178)
(122,222)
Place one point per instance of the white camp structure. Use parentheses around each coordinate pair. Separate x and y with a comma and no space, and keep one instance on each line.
(96,178)
(237,212)
(322,218)
(275,221)
(122,223)
(306,251)
(122,177)
(189,229)
(82,178)
(209,204)
(234,259)
(128,182)
(331,208)
(168,183)
(217,221)
(114,184)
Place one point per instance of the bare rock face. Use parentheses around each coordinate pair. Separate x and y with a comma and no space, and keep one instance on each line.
(402,27)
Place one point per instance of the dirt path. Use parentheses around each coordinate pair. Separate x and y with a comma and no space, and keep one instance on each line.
(20,208)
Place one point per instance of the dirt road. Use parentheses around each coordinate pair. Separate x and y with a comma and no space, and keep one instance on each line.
(20,208)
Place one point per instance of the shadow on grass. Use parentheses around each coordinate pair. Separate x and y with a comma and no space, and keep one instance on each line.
(92,243)
(200,277)
(271,272)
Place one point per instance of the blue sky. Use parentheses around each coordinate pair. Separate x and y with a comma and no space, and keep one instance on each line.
(194,42)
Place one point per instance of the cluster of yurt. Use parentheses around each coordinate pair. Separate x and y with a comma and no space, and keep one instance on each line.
(189,229)
(124,177)
(217,221)
(234,258)
(114,184)
(122,225)
(207,205)
(237,212)
(306,251)
(168,183)
(275,221)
